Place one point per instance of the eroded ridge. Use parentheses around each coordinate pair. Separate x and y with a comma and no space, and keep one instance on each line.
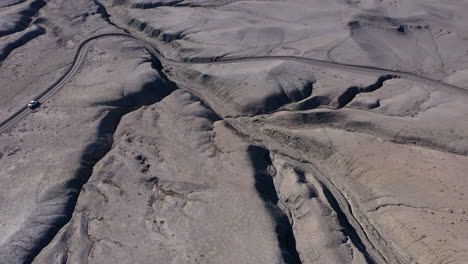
(55,203)
(234,132)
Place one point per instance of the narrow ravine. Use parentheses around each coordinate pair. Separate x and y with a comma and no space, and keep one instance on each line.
(352,92)
(292,195)
(260,159)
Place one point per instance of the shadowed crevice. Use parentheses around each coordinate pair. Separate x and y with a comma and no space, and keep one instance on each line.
(25,18)
(25,38)
(260,159)
(55,205)
(348,229)
(351,92)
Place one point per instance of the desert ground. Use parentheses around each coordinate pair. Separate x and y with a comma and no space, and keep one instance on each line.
(229,131)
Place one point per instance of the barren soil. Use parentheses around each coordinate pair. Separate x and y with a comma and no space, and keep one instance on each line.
(269,131)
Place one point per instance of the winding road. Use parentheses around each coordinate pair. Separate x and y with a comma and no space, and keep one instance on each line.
(84,47)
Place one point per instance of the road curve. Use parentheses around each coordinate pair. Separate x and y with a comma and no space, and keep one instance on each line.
(84,47)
